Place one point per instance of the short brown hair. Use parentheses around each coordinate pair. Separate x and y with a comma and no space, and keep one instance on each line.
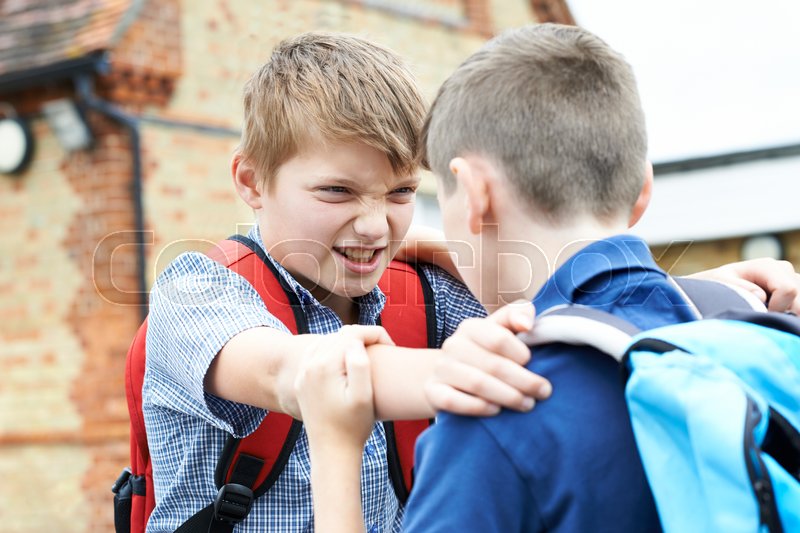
(322,87)
(557,109)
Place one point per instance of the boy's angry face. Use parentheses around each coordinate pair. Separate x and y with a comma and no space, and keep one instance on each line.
(334,216)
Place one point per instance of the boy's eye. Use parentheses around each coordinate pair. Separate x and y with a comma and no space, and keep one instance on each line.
(403,194)
(334,189)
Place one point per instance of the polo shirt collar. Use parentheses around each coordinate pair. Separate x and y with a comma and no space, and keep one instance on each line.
(597,258)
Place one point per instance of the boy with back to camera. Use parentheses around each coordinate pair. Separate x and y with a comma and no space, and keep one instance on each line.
(561,164)
(327,162)
(538,143)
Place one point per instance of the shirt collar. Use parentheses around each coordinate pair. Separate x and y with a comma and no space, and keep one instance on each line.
(597,258)
(370,305)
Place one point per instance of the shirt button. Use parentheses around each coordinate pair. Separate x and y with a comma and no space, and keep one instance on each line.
(374,528)
(371,452)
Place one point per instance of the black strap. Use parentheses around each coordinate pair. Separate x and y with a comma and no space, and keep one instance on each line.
(712,298)
(430,306)
(782,443)
(203,522)
(786,322)
(246,470)
(233,501)
(123,492)
(393,463)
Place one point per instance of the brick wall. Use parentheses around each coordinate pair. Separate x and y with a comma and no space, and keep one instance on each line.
(69,279)
(41,355)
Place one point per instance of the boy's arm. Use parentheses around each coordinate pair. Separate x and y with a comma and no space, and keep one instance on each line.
(255,368)
(457,489)
(477,371)
(259,366)
(774,282)
(428,245)
(334,392)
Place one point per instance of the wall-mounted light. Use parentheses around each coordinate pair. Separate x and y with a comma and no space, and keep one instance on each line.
(68,124)
(762,246)
(16,142)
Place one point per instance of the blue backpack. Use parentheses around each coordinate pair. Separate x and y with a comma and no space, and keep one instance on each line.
(714,405)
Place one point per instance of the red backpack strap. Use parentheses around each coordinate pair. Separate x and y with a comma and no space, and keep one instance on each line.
(409,317)
(245,257)
(133,490)
(134,379)
(248,467)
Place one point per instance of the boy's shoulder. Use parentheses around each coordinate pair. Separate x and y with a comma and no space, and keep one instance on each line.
(188,263)
(453,301)
(439,278)
(193,275)
(187,273)
(196,293)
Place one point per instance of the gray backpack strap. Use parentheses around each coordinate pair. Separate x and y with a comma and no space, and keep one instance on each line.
(711,298)
(582,326)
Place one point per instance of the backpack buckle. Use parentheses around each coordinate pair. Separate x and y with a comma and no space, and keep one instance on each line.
(233,503)
(122,480)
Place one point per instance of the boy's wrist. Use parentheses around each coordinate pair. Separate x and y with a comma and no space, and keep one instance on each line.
(304,347)
(332,443)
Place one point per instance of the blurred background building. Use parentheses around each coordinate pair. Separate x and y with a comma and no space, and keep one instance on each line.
(117,122)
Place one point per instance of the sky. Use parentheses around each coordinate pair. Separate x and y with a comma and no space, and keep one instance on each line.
(716,76)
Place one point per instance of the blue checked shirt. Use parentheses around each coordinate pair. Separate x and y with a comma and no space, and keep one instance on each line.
(197,306)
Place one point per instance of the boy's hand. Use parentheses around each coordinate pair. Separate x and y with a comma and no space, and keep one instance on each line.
(774,282)
(481,369)
(334,387)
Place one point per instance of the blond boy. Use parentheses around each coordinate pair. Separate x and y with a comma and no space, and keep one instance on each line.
(328,164)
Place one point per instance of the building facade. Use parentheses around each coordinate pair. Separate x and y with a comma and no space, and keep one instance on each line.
(84,231)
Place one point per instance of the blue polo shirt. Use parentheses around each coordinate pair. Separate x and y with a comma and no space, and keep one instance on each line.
(571,464)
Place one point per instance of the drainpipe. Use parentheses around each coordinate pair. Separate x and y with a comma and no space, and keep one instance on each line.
(85,90)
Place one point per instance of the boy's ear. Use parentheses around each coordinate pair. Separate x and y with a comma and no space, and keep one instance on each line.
(644,196)
(246,181)
(473,175)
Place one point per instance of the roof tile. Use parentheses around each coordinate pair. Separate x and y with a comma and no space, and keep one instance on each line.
(35,33)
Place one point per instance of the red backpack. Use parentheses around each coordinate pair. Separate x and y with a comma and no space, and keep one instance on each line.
(248,467)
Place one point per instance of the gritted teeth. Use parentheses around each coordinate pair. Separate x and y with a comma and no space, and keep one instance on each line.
(359,255)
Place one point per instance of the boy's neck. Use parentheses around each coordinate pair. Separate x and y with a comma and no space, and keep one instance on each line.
(544,246)
(345,308)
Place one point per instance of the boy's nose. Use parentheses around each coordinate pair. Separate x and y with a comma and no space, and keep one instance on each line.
(372,225)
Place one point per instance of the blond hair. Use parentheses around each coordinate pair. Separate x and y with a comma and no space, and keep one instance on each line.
(320,87)
(557,109)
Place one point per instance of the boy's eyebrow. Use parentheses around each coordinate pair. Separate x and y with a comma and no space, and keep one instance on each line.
(354,183)
(341,181)
(409,181)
